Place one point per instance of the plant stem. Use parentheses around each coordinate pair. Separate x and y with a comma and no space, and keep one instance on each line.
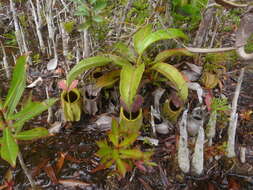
(25,169)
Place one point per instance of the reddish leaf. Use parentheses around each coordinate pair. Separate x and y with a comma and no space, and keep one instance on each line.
(63,85)
(233,184)
(137,103)
(98,168)
(60,162)
(73,85)
(36,171)
(51,174)
(208,101)
(140,166)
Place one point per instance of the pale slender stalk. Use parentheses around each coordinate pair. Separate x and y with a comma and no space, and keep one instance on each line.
(5,62)
(198,155)
(38,24)
(123,17)
(18,30)
(233,118)
(183,151)
(86,45)
(50,112)
(25,169)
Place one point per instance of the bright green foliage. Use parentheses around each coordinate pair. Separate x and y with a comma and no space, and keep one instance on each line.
(187,11)
(139,12)
(120,151)
(131,75)
(219,104)
(92,11)
(157,36)
(69,26)
(174,76)
(9,147)
(130,79)
(11,123)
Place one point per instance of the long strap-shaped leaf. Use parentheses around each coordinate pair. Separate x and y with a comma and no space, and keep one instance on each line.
(91,62)
(174,76)
(17,85)
(31,110)
(141,35)
(130,78)
(9,148)
(157,36)
(172,52)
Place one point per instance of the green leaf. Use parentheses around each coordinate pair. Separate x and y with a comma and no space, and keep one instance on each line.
(175,77)
(1,140)
(114,134)
(141,35)
(117,60)
(130,78)
(157,36)
(9,148)
(108,79)
(135,154)
(121,167)
(84,26)
(82,10)
(96,61)
(129,140)
(99,6)
(30,110)
(86,64)
(1,104)
(17,85)
(35,133)
(69,26)
(172,52)
(98,18)
(125,51)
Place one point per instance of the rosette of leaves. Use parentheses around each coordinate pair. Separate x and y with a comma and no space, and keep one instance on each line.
(92,10)
(128,56)
(11,122)
(119,151)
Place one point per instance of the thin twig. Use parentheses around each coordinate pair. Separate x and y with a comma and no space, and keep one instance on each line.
(25,169)
(234,117)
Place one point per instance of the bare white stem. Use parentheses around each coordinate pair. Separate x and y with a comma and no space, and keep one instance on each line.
(49,19)
(86,45)
(198,155)
(50,112)
(233,118)
(243,154)
(183,151)
(38,24)
(17,27)
(5,62)
(65,40)
(245,56)
(25,169)
(211,127)
(209,50)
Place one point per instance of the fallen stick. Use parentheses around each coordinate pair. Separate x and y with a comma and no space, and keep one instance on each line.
(233,118)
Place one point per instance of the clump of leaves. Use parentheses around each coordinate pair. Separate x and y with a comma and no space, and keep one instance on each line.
(92,10)
(139,12)
(185,11)
(219,104)
(119,151)
(11,122)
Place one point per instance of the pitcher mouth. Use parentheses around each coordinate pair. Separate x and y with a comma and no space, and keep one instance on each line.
(134,115)
(71,96)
